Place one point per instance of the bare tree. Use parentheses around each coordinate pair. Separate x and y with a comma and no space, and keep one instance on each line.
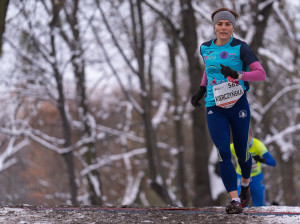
(179,106)
(178,121)
(78,63)
(156,173)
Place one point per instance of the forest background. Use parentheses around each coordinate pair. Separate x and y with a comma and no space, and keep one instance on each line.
(95,99)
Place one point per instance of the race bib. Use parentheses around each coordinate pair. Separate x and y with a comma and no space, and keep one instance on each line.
(227,94)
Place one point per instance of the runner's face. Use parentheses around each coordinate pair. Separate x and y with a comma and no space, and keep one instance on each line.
(224,30)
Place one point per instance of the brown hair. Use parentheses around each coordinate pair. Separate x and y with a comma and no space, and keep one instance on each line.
(234,13)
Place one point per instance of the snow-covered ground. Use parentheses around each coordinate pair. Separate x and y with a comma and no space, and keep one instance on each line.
(268,214)
(278,214)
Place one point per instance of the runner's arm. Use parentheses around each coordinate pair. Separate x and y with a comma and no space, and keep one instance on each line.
(204,79)
(257,72)
(270,161)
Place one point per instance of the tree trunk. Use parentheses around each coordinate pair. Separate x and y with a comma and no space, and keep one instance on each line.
(156,172)
(68,157)
(78,63)
(201,141)
(181,180)
(94,189)
(260,22)
(288,186)
(3,10)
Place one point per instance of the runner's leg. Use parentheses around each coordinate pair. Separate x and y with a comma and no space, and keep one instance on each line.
(240,123)
(219,130)
(239,183)
(257,188)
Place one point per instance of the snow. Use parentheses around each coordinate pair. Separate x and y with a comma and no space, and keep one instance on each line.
(267,214)
(132,189)
(162,110)
(281,218)
(96,184)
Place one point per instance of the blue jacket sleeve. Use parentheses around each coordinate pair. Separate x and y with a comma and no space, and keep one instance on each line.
(270,161)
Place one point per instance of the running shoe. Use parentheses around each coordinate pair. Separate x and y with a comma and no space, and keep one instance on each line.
(245,196)
(234,207)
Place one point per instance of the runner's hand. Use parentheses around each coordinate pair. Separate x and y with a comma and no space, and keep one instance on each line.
(259,159)
(227,71)
(198,96)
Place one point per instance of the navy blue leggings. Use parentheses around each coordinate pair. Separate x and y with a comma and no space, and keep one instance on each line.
(220,121)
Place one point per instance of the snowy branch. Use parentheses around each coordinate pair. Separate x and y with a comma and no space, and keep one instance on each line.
(108,159)
(131,136)
(160,11)
(132,189)
(281,134)
(287,148)
(10,150)
(276,98)
(162,110)
(276,59)
(262,5)
(283,20)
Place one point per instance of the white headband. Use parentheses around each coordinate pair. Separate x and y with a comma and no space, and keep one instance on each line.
(224,15)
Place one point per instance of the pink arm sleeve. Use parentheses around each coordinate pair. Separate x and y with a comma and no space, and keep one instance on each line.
(257,73)
(204,79)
